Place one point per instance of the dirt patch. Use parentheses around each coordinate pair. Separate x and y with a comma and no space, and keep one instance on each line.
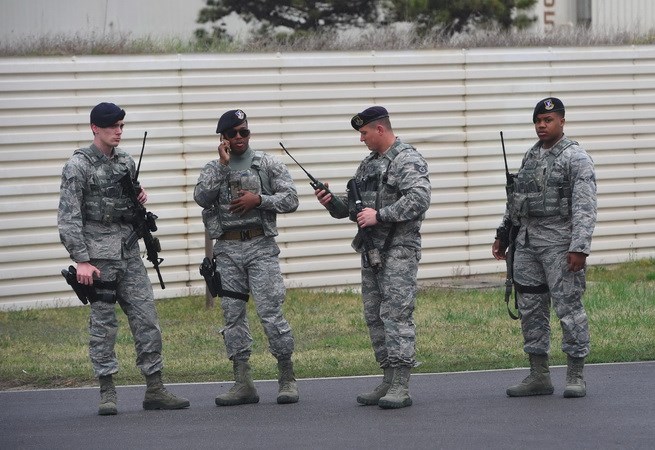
(470,282)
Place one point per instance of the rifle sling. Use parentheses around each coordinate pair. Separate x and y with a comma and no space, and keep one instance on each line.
(508,294)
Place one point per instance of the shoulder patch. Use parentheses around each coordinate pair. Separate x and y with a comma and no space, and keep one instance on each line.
(421,168)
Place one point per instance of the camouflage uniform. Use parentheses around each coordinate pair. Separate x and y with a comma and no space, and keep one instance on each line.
(92,227)
(249,264)
(555,203)
(397,185)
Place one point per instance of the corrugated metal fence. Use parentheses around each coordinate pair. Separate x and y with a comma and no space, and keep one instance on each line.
(450,104)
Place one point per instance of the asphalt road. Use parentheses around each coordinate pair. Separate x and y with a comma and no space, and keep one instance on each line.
(458,410)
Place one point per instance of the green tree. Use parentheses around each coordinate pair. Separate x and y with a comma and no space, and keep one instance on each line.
(455,16)
(298,15)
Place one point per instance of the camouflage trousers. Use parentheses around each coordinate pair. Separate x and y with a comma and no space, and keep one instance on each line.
(389,298)
(547,265)
(135,297)
(253,266)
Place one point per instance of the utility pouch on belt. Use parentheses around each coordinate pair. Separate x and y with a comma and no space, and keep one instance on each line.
(103,291)
(213,280)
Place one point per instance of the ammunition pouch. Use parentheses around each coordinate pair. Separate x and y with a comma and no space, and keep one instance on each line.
(100,291)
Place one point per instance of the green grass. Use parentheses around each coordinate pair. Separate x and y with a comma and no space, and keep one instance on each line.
(457,329)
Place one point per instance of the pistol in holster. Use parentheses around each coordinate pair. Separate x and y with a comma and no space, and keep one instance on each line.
(100,291)
(213,280)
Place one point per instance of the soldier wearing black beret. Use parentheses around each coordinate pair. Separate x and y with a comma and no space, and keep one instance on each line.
(367,116)
(106,114)
(95,221)
(394,186)
(241,194)
(548,105)
(229,120)
(546,231)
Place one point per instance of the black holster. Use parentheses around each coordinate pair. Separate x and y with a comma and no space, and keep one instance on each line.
(100,291)
(213,280)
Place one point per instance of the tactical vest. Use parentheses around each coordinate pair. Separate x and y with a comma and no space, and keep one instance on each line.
(542,187)
(104,201)
(219,219)
(375,191)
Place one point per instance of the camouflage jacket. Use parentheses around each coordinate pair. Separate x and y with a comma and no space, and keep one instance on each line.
(402,198)
(574,230)
(84,239)
(278,193)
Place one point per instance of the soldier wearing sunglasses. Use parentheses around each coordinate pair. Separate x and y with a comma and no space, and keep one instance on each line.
(241,194)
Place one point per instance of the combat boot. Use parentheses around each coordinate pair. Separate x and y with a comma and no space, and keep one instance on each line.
(537,382)
(398,394)
(108,397)
(372,398)
(576,386)
(243,391)
(288,388)
(157,397)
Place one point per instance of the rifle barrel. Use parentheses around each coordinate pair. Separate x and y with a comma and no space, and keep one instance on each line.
(502,141)
(143,146)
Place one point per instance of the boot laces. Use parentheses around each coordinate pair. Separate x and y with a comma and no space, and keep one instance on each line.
(108,394)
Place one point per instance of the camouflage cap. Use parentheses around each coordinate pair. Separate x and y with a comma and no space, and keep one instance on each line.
(548,105)
(230,119)
(105,114)
(368,116)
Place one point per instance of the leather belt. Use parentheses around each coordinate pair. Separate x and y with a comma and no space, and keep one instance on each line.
(242,235)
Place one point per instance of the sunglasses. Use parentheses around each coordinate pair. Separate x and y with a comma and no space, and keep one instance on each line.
(244,132)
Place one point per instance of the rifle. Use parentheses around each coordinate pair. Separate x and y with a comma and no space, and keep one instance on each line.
(511,231)
(336,202)
(143,222)
(213,280)
(371,254)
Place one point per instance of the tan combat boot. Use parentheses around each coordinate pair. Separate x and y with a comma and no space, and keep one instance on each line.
(372,398)
(398,394)
(576,386)
(288,388)
(108,398)
(537,382)
(243,391)
(157,397)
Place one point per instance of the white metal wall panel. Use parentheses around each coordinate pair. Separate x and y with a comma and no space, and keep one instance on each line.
(21,19)
(451,104)
(624,15)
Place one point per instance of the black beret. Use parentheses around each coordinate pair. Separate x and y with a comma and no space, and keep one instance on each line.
(106,114)
(232,118)
(368,116)
(548,105)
